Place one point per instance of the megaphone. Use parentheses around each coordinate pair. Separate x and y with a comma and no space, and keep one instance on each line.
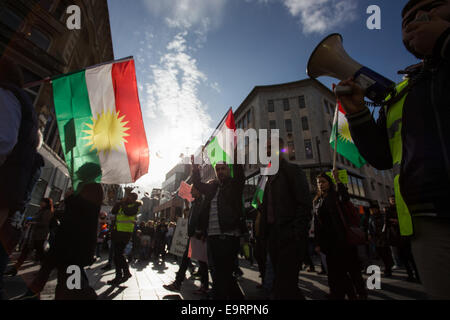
(330,59)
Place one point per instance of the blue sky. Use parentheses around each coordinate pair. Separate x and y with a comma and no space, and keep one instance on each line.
(197,58)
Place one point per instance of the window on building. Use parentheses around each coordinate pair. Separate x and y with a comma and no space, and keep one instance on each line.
(362,192)
(286,104)
(288,123)
(301,102)
(39,39)
(271,106)
(249,117)
(9,18)
(326,106)
(372,185)
(350,185)
(291,150)
(244,124)
(305,125)
(308,149)
(272,124)
(28,77)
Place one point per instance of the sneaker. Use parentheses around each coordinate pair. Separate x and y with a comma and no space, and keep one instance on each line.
(311,269)
(396,267)
(174,286)
(114,282)
(29,295)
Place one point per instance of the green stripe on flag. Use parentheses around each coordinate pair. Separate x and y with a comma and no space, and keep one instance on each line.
(349,151)
(73,112)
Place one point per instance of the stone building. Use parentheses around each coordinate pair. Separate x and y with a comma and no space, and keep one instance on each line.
(34,34)
(303,111)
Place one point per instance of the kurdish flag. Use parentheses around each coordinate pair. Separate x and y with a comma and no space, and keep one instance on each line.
(259,194)
(345,145)
(221,147)
(100,124)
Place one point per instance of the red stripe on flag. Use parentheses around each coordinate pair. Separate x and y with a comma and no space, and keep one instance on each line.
(341,109)
(127,103)
(229,122)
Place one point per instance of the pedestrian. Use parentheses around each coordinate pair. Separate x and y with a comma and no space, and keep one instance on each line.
(102,230)
(402,243)
(286,212)
(221,222)
(412,138)
(40,231)
(125,213)
(193,219)
(343,265)
(160,240)
(19,141)
(378,233)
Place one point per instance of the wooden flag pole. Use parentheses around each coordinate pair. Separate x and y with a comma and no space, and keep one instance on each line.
(336,124)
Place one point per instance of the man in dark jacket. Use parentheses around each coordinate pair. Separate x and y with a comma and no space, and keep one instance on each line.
(222,221)
(286,213)
(412,138)
(194,214)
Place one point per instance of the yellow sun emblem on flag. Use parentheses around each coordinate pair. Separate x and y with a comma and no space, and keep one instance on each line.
(106,132)
(344,132)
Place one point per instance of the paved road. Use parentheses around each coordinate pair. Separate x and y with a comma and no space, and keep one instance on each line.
(149,277)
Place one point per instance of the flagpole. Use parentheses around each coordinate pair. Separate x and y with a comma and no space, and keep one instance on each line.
(336,123)
(224,117)
(49,79)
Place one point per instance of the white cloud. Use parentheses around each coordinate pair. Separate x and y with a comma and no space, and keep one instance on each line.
(319,16)
(187,13)
(177,120)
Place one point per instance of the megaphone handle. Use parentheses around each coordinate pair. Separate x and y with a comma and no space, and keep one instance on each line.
(343,90)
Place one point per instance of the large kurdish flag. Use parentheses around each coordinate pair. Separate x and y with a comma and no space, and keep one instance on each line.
(100,124)
(221,147)
(345,145)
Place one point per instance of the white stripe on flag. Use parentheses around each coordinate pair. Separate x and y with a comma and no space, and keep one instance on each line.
(115,165)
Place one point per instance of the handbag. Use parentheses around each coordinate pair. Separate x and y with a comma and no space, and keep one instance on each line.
(354,235)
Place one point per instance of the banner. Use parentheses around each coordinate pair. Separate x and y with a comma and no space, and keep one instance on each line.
(180,238)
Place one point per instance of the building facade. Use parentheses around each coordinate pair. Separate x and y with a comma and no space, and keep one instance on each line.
(303,111)
(34,34)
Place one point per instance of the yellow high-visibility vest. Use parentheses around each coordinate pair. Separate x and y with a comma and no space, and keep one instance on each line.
(125,223)
(394,128)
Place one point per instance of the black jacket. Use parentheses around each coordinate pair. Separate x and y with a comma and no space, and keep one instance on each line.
(229,201)
(291,203)
(16,171)
(194,216)
(425,167)
(329,230)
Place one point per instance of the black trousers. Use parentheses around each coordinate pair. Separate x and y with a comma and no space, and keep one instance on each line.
(186,263)
(286,257)
(120,260)
(344,274)
(222,252)
(261,257)
(386,255)
(406,257)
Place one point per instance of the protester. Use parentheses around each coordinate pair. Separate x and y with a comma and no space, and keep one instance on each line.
(343,266)
(377,233)
(412,138)
(125,212)
(18,143)
(286,212)
(193,220)
(222,225)
(160,240)
(39,234)
(402,243)
(102,230)
(146,238)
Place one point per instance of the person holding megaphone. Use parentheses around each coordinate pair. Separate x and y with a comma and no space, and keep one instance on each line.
(412,137)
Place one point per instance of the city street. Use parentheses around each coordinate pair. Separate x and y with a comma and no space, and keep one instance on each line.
(148,280)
